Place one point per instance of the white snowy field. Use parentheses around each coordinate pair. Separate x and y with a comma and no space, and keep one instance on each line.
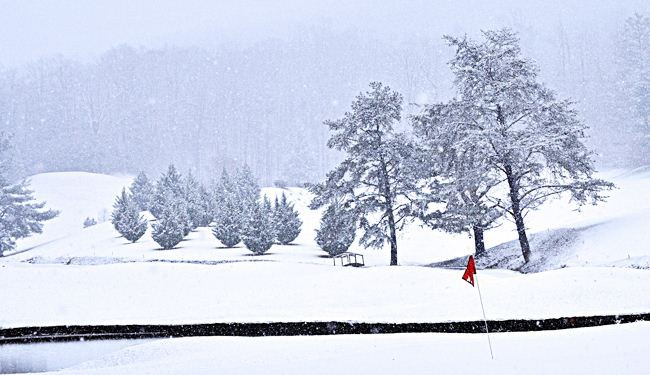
(162,293)
(620,349)
(70,275)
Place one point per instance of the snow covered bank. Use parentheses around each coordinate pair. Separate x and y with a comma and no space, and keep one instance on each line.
(38,358)
(601,350)
(160,293)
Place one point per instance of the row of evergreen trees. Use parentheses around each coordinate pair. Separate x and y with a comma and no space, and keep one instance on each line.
(231,206)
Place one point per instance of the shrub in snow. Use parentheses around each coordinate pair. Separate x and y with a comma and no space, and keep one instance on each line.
(259,234)
(89,222)
(286,220)
(142,191)
(168,230)
(337,230)
(127,219)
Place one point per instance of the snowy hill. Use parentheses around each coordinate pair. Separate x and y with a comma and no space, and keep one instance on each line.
(79,195)
(611,234)
(614,233)
(76,195)
(140,283)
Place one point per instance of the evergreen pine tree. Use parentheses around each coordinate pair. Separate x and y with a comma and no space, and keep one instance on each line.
(206,205)
(142,191)
(227,212)
(119,210)
(259,234)
(169,188)
(218,190)
(127,219)
(299,164)
(184,218)
(381,169)
(247,189)
(631,108)
(635,68)
(169,230)
(287,221)
(193,204)
(20,215)
(169,192)
(337,229)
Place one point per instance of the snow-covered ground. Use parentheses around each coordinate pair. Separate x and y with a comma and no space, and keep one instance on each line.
(150,293)
(614,233)
(86,276)
(70,275)
(76,195)
(620,349)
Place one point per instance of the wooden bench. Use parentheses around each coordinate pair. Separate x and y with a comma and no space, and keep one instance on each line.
(350,259)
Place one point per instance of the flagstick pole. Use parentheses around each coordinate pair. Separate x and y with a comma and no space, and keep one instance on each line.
(484,318)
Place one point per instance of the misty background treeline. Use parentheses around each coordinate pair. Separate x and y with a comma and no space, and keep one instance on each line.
(264,104)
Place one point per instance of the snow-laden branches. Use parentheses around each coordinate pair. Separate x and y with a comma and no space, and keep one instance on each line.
(504,128)
(379,178)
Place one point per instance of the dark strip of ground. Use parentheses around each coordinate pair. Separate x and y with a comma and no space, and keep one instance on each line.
(139,331)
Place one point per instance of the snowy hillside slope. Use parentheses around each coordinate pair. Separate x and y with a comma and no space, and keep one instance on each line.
(76,195)
(101,244)
(614,233)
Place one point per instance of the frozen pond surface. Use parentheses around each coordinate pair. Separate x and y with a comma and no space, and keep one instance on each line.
(42,357)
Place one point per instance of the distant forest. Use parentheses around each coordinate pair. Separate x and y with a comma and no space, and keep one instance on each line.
(264,104)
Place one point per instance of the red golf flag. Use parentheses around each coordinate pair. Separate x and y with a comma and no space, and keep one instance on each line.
(470,271)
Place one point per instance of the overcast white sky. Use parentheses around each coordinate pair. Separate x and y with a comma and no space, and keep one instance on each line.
(30,29)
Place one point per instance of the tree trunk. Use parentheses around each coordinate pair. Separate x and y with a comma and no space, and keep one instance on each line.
(389,211)
(479,245)
(516,213)
(393,238)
